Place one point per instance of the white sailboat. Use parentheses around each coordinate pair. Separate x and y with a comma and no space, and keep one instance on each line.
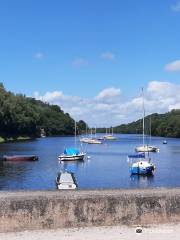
(110,136)
(85,139)
(145,147)
(72,154)
(91,140)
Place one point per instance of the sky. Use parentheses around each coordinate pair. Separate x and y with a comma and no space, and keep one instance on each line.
(92,57)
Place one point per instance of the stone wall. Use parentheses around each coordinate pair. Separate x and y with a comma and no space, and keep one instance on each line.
(58,209)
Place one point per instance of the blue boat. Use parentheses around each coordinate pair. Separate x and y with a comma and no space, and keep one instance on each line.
(142,166)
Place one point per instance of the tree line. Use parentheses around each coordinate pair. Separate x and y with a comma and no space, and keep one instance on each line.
(165,125)
(26,116)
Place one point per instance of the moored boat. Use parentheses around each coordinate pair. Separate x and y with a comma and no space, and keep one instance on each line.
(142,166)
(72,154)
(90,140)
(146,148)
(110,137)
(20,158)
(94,141)
(66,181)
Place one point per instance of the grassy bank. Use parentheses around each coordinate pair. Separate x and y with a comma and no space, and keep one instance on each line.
(14,139)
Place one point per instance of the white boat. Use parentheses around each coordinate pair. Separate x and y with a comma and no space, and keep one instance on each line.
(72,154)
(145,147)
(84,140)
(66,181)
(110,136)
(94,141)
(91,140)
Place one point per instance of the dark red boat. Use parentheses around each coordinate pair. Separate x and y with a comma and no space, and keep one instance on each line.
(20,158)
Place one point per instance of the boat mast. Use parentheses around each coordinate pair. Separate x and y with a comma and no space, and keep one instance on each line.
(143,114)
(150,129)
(86,130)
(75,133)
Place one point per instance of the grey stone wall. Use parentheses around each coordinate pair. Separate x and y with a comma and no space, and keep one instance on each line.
(58,209)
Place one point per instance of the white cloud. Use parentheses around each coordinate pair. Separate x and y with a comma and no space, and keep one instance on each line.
(107,108)
(173,66)
(80,62)
(108,93)
(39,55)
(176,7)
(108,56)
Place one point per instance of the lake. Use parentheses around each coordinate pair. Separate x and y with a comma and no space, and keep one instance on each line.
(106,168)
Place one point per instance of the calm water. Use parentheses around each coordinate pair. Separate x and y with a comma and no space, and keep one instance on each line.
(107,167)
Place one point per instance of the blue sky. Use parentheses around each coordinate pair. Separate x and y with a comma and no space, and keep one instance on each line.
(81,47)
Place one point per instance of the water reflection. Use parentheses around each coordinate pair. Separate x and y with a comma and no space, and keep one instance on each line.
(71,166)
(141,181)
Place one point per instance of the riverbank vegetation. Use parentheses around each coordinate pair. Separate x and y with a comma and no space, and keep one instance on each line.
(165,125)
(23,117)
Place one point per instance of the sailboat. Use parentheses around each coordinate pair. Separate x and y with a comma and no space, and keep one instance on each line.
(145,147)
(110,136)
(72,154)
(91,140)
(142,166)
(85,139)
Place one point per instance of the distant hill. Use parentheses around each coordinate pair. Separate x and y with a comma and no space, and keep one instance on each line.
(24,116)
(165,125)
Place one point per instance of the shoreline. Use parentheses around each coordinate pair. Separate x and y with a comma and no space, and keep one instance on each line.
(16,139)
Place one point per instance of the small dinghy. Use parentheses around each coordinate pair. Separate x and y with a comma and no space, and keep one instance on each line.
(19,158)
(164,142)
(66,181)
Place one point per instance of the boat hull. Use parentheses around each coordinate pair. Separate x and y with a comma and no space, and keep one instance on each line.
(146,149)
(110,137)
(19,158)
(90,141)
(142,168)
(65,157)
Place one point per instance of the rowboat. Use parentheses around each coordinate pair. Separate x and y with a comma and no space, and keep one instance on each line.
(20,158)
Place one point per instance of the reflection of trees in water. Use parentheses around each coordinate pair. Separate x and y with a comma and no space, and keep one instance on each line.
(12,174)
(141,181)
